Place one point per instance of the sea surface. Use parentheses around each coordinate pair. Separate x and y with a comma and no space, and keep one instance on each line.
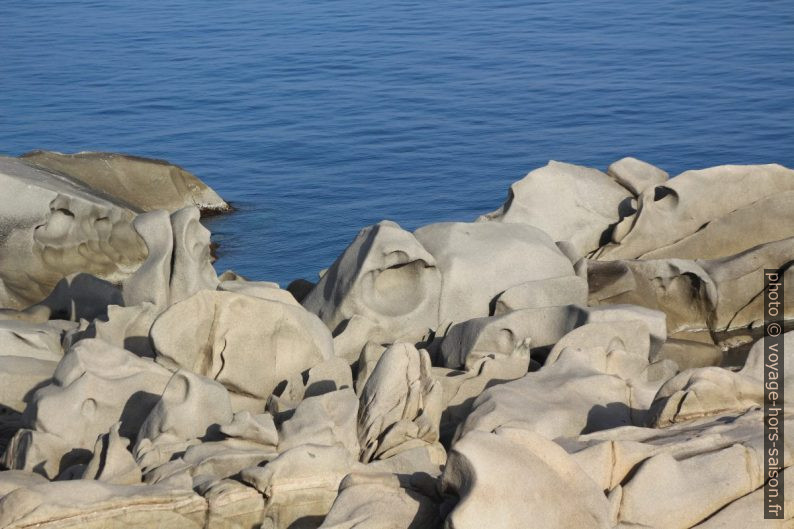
(316,118)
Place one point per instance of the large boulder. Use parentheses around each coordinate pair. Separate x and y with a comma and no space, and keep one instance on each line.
(95,386)
(569,202)
(700,297)
(379,501)
(707,391)
(683,475)
(145,183)
(52,226)
(400,405)
(597,377)
(384,280)
(513,479)
(191,407)
(479,261)
(682,219)
(250,345)
(636,175)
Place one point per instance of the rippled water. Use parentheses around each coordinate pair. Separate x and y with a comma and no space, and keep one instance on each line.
(316,118)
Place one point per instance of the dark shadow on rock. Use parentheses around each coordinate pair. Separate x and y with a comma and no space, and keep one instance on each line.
(613,415)
(454,416)
(10,422)
(140,345)
(135,411)
(307,522)
(76,456)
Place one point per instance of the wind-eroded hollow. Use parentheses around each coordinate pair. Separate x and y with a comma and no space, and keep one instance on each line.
(399,289)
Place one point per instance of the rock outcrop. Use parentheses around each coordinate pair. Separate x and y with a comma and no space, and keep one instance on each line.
(144,183)
(591,355)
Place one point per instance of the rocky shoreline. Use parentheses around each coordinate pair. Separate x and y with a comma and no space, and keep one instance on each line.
(586,356)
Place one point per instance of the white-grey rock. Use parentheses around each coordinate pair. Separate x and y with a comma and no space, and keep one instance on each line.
(190,407)
(400,405)
(553,292)
(680,476)
(329,419)
(248,344)
(669,215)
(65,504)
(569,202)
(636,175)
(384,276)
(55,226)
(384,501)
(301,484)
(146,183)
(112,462)
(96,385)
(515,479)
(478,261)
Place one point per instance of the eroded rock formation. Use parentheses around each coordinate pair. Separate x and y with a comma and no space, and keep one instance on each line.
(588,356)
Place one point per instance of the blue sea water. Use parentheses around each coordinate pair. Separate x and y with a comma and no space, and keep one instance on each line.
(316,118)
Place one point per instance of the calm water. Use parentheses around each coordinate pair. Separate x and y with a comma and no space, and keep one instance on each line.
(317,118)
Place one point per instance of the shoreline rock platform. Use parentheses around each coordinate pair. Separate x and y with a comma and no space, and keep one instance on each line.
(589,355)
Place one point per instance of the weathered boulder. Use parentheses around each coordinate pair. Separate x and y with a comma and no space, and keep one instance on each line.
(684,208)
(329,419)
(636,175)
(384,276)
(43,453)
(96,385)
(190,407)
(707,391)
(400,405)
(461,388)
(65,504)
(515,479)
(381,501)
(526,329)
(680,288)
(699,297)
(582,388)
(43,341)
(478,261)
(231,504)
(680,476)
(178,263)
(75,297)
(569,202)
(55,226)
(145,183)
(20,377)
(301,484)
(553,292)
(112,462)
(248,344)
(512,333)
(257,428)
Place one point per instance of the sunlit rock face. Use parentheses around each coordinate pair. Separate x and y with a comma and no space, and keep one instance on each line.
(590,355)
(52,226)
(144,183)
(707,214)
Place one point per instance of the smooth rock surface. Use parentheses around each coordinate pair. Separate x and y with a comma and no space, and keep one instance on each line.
(569,202)
(145,183)
(248,344)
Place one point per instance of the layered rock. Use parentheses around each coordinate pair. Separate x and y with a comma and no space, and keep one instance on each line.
(144,183)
